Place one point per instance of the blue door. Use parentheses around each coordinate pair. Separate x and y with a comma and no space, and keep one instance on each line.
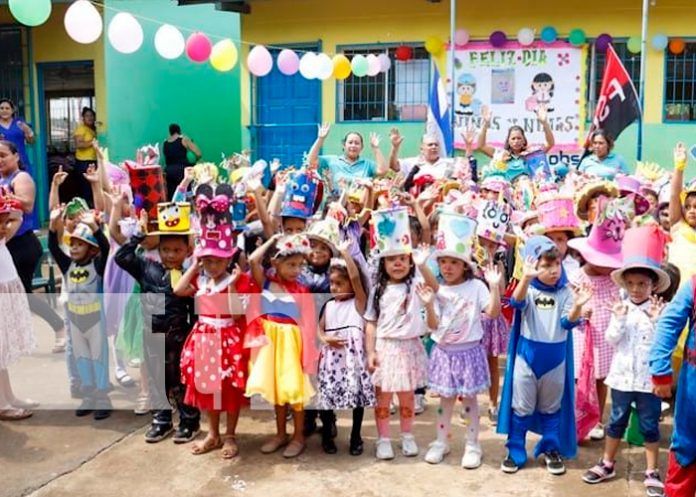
(286,115)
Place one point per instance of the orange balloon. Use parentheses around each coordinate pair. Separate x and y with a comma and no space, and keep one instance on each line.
(677,46)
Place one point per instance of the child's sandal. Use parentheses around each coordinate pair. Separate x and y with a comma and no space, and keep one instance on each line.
(599,473)
(230,449)
(653,485)
(207,445)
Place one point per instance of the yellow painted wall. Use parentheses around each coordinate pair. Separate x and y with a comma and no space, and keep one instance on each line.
(344,22)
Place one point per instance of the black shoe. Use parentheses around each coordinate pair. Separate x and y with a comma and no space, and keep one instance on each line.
(157,433)
(554,463)
(509,465)
(85,408)
(356,447)
(328,444)
(185,434)
(102,406)
(100,414)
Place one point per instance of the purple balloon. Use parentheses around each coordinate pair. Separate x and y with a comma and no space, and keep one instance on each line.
(603,41)
(498,39)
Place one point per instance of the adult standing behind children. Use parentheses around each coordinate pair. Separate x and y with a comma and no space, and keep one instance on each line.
(177,150)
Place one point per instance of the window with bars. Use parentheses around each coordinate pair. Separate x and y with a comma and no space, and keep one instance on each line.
(12,67)
(400,94)
(680,85)
(595,71)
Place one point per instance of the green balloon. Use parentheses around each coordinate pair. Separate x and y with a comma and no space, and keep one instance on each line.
(577,37)
(634,44)
(359,65)
(191,157)
(31,12)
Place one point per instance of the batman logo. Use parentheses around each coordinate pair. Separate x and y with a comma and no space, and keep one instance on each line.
(545,303)
(79,275)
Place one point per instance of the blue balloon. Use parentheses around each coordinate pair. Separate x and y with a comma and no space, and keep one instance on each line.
(660,42)
(549,34)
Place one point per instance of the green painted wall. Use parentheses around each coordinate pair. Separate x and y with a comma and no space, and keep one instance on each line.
(145,93)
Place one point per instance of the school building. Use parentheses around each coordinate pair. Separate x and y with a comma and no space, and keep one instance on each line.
(136,96)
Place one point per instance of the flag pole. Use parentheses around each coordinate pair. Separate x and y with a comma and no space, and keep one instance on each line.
(453,23)
(643,39)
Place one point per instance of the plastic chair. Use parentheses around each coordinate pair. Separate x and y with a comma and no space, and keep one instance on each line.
(47,283)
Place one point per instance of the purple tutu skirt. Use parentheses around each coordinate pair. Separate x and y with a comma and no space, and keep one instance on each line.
(458,370)
(496,335)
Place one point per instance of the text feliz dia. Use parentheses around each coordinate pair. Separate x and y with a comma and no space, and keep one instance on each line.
(498,58)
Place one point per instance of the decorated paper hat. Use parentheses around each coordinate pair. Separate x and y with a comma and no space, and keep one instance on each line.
(84,233)
(497,184)
(292,244)
(588,190)
(325,231)
(630,187)
(520,218)
(147,183)
(523,194)
(9,204)
(303,194)
(688,190)
(603,245)
(644,247)
(455,236)
(76,206)
(493,220)
(392,232)
(558,214)
(216,224)
(173,218)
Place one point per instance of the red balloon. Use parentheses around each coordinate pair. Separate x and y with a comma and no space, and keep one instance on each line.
(403,53)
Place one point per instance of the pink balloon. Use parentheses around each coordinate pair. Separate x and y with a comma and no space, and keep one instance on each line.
(288,62)
(259,61)
(384,62)
(461,37)
(198,47)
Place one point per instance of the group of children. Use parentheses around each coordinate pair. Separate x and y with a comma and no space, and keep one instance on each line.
(319,303)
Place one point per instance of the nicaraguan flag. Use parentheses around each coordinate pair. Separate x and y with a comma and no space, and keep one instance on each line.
(439,120)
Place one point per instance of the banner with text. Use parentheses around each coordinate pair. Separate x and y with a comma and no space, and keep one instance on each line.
(514,82)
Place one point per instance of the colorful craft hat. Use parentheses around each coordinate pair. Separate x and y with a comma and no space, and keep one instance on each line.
(497,184)
(588,191)
(76,206)
(325,231)
(603,245)
(493,220)
(173,218)
(84,233)
(216,224)
(523,194)
(664,195)
(558,214)
(689,189)
(630,187)
(455,236)
(303,194)
(520,218)
(292,244)
(644,247)
(392,231)
(9,204)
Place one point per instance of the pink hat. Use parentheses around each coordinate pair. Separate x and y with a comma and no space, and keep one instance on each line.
(630,186)
(558,214)
(213,208)
(644,248)
(603,246)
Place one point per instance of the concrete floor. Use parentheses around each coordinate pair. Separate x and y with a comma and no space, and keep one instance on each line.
(56,454)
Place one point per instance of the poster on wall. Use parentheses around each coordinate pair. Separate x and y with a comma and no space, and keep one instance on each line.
(514,82)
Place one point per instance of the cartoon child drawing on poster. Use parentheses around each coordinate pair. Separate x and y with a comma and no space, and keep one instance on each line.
(466,88)
(542,93)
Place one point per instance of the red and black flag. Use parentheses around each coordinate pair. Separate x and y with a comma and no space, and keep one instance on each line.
(618,104)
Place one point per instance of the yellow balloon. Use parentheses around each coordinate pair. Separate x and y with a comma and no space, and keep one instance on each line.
(341,66)
(433,45)
(224,55)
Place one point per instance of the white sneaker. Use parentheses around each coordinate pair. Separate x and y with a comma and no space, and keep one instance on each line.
(384,450)
(597,433)
(472,456)
(437,452)
(408,445)
(419,404)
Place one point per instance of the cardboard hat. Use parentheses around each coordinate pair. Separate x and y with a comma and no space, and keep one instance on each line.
(147,183)
(304,191)
(493,220)
(664,194)
(520,218)
(558,214)
(76,206)
(589,190)
(325,231)
(392,232)
(603,245)
(173,218)
(629,186)
(213,208)
(497,184)
(523,194)
(455,236)
(644,247)
(292,244)
(689,189)
(84,233)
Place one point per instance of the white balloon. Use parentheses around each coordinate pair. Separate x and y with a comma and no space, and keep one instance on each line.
(384,62)
(373,65)
(324,66)
(525,36)
(169,42)
(308,66)
(125,33)
(83,23)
